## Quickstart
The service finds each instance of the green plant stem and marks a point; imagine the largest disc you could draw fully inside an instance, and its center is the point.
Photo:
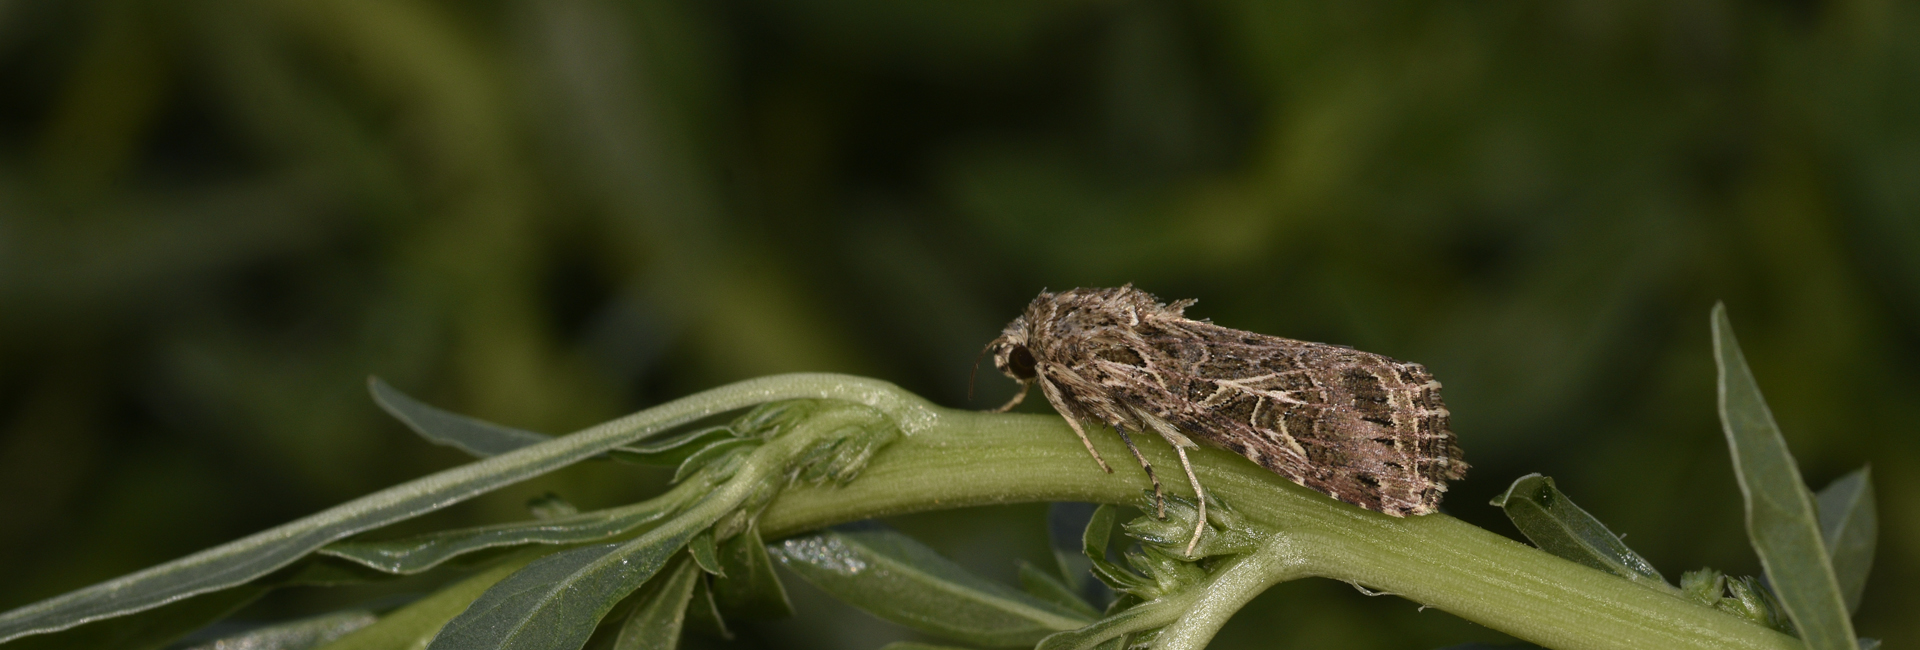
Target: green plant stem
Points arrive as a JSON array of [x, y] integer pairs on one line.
[[966, 458], [1230, 587]]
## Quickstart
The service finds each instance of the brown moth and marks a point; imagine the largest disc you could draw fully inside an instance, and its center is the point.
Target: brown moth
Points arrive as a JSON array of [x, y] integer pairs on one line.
[[1357, 426]]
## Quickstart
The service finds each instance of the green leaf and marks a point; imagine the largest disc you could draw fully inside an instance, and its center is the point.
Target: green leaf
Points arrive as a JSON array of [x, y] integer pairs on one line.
[[705, 553], [555, 603], [842, 454], [1046, 587], [750, 588], [896, 578], [1551, 520], [482, 438], [296, 635], [474, 436], [1781, 520], [412, 626], [1094, 543], [422, 552], [716, 454], [909, 645], [675, 450], [656, 624], [321, 571], [1849, 527]]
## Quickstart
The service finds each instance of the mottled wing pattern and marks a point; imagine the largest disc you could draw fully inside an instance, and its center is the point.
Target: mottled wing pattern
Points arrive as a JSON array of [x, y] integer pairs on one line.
[[1357, 426]]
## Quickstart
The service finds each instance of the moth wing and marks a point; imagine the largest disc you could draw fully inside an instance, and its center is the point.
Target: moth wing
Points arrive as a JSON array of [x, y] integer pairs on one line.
[[1357, 426]]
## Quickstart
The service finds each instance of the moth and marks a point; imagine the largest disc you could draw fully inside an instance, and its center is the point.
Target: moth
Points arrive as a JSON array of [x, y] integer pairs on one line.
[[1359, 427]]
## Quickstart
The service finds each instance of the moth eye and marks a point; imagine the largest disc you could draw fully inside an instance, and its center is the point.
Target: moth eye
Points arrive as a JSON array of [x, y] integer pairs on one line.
[[1020, 363]]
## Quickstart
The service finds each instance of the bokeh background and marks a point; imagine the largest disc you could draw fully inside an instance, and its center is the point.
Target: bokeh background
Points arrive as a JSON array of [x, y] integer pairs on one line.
[[217, 217]]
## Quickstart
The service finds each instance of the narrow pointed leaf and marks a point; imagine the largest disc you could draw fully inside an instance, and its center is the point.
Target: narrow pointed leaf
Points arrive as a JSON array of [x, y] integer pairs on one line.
[[422, 552], [673, 451], [713, 454], [555, 603], [1849, 527], [1781, 520], [705, 552], [1094, 544], [657, 623], [750, 588], [896, 578], [1551, 520], [474, 436], [322, 571]]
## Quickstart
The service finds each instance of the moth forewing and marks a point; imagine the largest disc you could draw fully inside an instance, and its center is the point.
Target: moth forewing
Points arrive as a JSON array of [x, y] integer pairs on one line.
[[1360, 427]]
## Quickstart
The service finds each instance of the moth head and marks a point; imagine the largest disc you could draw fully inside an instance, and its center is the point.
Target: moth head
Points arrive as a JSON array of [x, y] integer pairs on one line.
[[1011, 354]]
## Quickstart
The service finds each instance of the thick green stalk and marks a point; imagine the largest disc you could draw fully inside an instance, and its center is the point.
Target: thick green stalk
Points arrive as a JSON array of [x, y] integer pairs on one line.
[[965, 458]]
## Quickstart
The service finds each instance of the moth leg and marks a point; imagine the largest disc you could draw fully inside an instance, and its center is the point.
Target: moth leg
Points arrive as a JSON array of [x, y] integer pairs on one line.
[[1059, 404], [1075, 423], [1199, 494], [1159, 496], [1180, 443], [1017, 398]]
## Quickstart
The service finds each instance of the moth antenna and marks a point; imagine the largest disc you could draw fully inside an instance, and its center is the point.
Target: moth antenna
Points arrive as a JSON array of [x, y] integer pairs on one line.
[[1159, 496], [975, 372], [1199, 494]]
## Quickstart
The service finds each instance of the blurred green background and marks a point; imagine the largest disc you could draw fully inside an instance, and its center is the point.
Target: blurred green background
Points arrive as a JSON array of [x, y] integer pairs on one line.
[[218, 217]]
